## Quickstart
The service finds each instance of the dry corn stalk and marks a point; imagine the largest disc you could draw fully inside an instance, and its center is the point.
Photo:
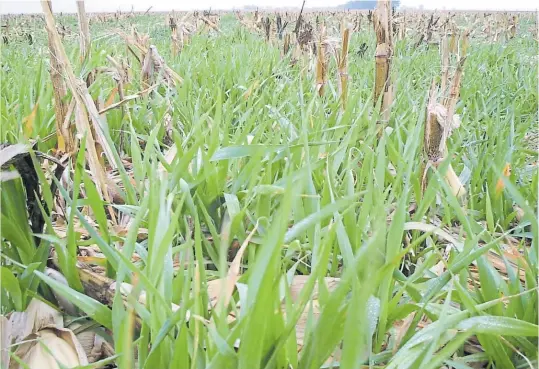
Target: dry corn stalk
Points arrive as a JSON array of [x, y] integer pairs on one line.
[[84, 108], [211, 24], [66, 142], [401, 34], [299, 20], [120, 73], [445, 49], [173, 35], [266, 23], [342, 65], [244, 22], [384, 45], [430, 28], [321, 66], [464, 43], [135, 41], [440, 122], [513, 26], [186, 29], [305, 37], [153, 65], [280, 26], [453, 41], [155, 60], [286, 44], [148, 71], [496, 30], [84, 32], [451, 101]]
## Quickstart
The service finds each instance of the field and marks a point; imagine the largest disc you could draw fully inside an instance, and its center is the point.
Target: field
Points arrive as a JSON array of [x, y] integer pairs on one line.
[[269, 190]]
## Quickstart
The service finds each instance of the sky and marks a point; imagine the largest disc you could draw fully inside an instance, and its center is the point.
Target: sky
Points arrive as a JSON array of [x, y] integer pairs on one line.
[[34, 6]]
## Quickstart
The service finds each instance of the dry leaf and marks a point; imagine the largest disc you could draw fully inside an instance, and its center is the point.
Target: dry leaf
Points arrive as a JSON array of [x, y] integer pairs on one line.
[[169, 157], [250, 90], [506, 173], [110, 99], [28, 122], [298, 282], [519, 213]]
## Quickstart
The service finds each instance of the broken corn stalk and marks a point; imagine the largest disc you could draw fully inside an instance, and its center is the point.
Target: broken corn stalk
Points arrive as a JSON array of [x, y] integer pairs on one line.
[[442, 120], [87, 119], [382, 83], [65, 140], [84, 30]]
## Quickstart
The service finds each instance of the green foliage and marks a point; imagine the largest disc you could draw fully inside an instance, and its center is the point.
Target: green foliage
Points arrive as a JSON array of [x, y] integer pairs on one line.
[[315, 182]]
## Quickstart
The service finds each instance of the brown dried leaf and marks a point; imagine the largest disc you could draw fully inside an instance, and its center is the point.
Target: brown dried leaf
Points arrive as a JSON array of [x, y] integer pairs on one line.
[[402, 328], [298, 282]]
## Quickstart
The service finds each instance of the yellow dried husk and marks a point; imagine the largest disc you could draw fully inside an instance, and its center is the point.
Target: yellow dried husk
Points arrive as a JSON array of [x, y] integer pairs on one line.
[[40, 339], [49, 347]]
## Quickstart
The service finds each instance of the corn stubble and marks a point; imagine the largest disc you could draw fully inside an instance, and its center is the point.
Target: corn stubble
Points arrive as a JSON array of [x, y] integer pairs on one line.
[[441, 119], [321, 64], [383, 88], [84, 31]]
